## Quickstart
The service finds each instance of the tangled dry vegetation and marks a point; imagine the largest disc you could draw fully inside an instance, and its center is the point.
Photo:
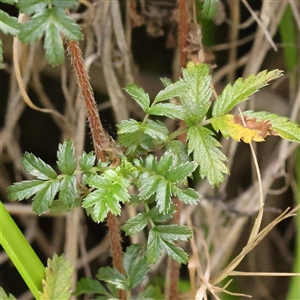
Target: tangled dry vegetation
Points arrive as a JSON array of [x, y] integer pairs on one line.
[[223, 220]]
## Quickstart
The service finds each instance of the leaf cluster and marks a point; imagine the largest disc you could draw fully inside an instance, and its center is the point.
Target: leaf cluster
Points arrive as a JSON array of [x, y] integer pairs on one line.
[[48, 19]]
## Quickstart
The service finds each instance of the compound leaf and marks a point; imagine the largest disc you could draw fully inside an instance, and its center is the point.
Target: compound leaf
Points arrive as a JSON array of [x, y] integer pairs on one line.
[[25, 189], [44, 197], [9, 24], [66, 157], [206, 153], [58, 279], [156, 130], [37, 167], [279, 125], [196, 101], [188, 196], [114, 277], [154, 247], [180, 172], [139, 95], [241, 90], [177, 253]]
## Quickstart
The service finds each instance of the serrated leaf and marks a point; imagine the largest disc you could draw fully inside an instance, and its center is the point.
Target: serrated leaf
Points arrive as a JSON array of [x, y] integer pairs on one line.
[[32, 6], [25, 189], [180, 172], [241, 90], [154, 247], [165, 81], [156, 129], [128, 126], [177, 253], [44, 197], [164, 163], [138, 272], [136, 224], [158, 217], [4, 296], [209, 8], [174, 232], [113, 276], [139, 95], [87, 161], [163, 196], [35, 28], [168, 110], [179, 150], [206, 153], [9, 24], [66, 157], [53, 45], [51, 21], [57, 207], [188, 196], [135, 265], [148, 185], [111, 189], [172, 90], [68, 190], [58, 279], [37, 167], [196, 101], [90, 286], [281, 126]]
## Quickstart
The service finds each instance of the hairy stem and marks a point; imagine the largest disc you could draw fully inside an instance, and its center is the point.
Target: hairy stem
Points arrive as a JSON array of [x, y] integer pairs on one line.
[[103, 144]]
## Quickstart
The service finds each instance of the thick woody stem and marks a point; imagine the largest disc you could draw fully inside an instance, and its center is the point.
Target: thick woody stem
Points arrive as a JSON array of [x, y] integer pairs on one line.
[[102, 143]]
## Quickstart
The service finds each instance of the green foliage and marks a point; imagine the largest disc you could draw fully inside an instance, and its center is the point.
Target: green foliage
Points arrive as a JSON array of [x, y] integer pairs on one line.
[[240, 91], [48, 19], [4, 296], [58, 279], [135, 266], [209, 8]]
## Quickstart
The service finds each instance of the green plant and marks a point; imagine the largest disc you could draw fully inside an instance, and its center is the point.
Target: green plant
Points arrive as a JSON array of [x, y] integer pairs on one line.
[[103, 180]]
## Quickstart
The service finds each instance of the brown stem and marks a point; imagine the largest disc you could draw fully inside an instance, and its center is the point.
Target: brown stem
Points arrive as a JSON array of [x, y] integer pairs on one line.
[[102, 143], [182, 31]]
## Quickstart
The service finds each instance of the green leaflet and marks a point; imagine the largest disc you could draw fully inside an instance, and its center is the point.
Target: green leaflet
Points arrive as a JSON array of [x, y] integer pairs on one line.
[[58, 279], [172, 90], [37, 167], [87, 161], [168, 110], [282, 125], [135, 266], [4, 296], [66, 157], [160, 237], [160, 178], [136, 224], [90, 286], [241, 90], [68, 190], [206, 153], [209, 8], [111, 188], [196, 101], [139, 96], [8, 24], [52, 22]]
